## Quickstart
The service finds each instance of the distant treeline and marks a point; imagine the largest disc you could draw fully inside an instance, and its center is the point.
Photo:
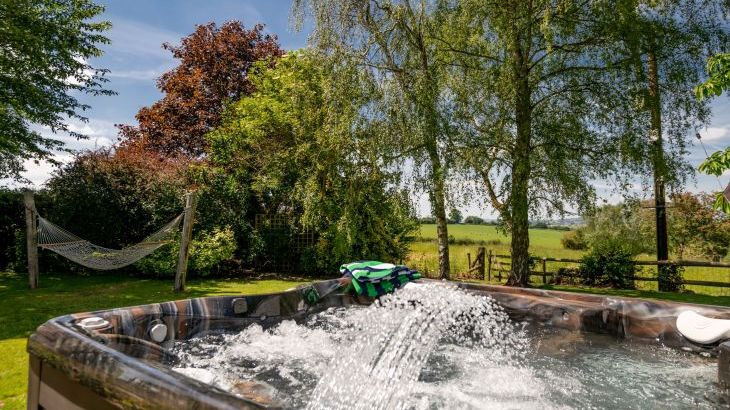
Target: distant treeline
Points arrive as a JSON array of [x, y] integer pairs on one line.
[[475, 220]]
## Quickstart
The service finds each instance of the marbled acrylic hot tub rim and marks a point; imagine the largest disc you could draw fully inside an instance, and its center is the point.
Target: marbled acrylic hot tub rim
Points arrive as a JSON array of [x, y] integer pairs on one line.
[[121, 365]]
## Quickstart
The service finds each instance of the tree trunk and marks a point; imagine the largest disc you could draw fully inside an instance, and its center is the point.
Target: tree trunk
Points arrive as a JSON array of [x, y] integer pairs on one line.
[[519, 201], [438, 203], [662, 239]]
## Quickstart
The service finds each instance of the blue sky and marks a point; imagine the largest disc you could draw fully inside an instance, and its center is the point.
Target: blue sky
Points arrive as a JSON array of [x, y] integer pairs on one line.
[[135, 58]]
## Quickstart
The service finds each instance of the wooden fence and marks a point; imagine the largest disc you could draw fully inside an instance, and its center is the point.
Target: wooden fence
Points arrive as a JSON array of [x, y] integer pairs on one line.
[[489, 266]]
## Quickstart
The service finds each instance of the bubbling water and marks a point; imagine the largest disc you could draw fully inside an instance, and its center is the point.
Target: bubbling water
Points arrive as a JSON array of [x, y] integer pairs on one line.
[[431, 346], [362, 358]]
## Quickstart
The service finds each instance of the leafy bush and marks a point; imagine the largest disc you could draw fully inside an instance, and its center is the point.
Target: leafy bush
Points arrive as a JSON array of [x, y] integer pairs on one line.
[[574, 240], [473, 220], [207, 252], [11, 223], [211, 249], [670, 278], [609, 263], [566, 276]]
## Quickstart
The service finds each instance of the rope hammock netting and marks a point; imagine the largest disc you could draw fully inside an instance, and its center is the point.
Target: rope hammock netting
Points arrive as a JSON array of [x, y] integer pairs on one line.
[[83, 252]]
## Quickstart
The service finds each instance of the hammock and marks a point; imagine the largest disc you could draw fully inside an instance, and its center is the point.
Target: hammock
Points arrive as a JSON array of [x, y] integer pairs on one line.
[[83, 252]]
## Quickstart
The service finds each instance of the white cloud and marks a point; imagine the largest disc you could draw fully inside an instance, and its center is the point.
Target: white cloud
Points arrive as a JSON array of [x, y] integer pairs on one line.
[[83, 75], [38, 173], [714, 133], [101, 134], [139, 39], [142, 75]]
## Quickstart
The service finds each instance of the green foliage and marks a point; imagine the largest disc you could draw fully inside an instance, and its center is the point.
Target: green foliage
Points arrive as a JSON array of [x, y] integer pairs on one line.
[[718, 70], [208, 251], [717, 163], [394, 45], [670, 278], [696, 228], [575, 240], [114, 201], [45, 47], [226, 200], [11, 222], [721, 203], [627, 223], [299, 142], [472, 220], [609, 263], [455, 216]]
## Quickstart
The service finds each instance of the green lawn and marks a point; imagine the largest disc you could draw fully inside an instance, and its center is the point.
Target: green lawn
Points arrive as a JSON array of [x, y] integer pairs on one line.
[[22, 310], [543, 243]]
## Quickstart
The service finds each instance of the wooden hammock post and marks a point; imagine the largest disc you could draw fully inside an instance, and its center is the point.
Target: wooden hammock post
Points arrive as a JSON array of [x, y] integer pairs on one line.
[[31, 238], [187, 233]]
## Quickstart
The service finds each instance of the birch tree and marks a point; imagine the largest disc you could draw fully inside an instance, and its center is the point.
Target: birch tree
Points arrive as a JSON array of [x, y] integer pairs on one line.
[[392, 41]]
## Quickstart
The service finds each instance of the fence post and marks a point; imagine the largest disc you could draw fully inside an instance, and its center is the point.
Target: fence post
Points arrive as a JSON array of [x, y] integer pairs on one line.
[[187, 233], [31, 238], [480, 260], [468, 261], [499, 269], [489, 266], [544, 270]]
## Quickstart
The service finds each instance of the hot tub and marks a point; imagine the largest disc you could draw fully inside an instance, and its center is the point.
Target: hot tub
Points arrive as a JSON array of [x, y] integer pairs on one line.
[[127, 358]]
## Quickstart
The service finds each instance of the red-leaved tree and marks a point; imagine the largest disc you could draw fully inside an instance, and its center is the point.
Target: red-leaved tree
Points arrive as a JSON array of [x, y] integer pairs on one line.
[[213, 69]]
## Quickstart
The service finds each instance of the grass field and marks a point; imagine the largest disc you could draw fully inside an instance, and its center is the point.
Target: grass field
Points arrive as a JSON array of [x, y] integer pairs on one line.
[[22, 310], [543, 243]]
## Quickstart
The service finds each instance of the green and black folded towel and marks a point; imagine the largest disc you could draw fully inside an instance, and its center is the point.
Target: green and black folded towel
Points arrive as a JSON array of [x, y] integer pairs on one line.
[[373, 278]]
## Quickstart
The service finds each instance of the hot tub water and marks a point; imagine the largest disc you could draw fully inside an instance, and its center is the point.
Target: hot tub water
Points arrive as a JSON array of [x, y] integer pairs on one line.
[[437, 346]]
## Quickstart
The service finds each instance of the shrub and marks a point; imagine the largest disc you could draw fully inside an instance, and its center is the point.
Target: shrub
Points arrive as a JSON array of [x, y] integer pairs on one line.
[[210, 249], [207, 252], [610, 263], [473, 220], [566, 276], [670, 278], [574, 240]]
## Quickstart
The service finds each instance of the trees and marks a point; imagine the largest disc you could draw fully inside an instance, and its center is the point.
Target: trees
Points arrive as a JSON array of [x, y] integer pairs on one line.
[[214, 66], [473, 220], [301, 142], [695, 228], [626, 223], [664, 44], [525, 77], [44, 47], [393, 42], [455, 216]]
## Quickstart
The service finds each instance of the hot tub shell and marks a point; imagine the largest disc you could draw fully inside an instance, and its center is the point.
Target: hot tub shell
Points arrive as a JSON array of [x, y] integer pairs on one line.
[[121, 366]]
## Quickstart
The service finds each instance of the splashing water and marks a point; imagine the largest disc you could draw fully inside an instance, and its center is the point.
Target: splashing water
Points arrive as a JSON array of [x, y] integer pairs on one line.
[[393, 339], [436, 346]]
